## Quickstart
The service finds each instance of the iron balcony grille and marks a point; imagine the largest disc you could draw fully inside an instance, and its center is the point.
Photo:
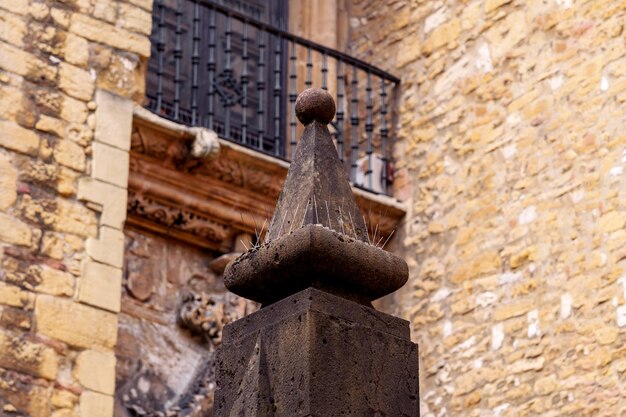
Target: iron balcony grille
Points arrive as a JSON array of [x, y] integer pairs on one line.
[[216, 67]]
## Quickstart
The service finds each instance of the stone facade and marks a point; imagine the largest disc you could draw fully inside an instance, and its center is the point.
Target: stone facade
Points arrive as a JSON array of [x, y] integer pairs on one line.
[[68, 74], [511, 157]]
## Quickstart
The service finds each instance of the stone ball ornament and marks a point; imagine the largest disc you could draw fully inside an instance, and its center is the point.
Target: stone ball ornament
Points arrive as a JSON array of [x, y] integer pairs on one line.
[[315, 104]]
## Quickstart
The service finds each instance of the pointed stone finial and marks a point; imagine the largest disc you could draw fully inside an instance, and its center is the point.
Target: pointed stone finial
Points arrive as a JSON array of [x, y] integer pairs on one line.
[[317, 236], [317, 189]]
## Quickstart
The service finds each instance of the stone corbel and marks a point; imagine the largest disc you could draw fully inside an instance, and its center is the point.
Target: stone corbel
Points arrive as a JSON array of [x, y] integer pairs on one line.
[[204, 143]]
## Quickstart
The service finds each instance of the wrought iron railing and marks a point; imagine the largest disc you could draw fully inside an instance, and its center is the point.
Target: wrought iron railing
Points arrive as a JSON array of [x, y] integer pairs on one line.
[[216, 67]]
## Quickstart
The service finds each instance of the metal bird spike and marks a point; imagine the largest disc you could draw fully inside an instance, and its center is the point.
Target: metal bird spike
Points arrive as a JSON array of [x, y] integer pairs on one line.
[[316, 174]]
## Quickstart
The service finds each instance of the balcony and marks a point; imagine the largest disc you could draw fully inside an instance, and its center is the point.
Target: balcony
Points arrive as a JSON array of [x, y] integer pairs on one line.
[[234, 69]]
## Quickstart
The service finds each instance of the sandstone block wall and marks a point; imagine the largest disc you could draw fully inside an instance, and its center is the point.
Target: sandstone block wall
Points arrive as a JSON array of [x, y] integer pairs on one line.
[[512, 148], [69, 71]]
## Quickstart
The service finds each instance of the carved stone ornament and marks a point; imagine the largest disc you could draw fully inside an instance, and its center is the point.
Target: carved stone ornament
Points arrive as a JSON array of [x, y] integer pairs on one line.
[[206, 314], [177, 218]]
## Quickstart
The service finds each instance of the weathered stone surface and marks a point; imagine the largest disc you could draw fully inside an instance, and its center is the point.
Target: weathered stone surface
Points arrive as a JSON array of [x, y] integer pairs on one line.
[[14, 231], [55, 282], [23, 355], [18, 7], [14, 28], [135, 19], [63, 399], [76, 82], [51, 125], [52, 245], [108, 248], [73, 110], [15, 296], [100, 286], [94, 404], [20, 62], [315, 256], [8, 183], [96, 30], [64, 412], [442, 35], [491, 5], [106, 10], [48, 74], [144, 4], [510, 147], [75, 324], [10, 102], [70, 154], [612, 221], [15, 318], [95, 371], [17, 138], [262, 370], [60, 16], [112, 199], [60, 215], [110, 165], [123, 75], [316, 190], [512, 310], [114, 117], [76, 50]]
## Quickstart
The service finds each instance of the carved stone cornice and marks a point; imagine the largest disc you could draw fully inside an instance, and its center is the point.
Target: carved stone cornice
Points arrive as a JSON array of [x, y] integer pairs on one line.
[[209, 203]]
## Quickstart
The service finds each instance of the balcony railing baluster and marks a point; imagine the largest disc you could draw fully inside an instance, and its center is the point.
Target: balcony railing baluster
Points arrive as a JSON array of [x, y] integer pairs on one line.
[[160, 55], [195, 61], [211, 67], [354, 121], [309, 68], [244, 86], [249, 90], [228, 72], [260, 85], [383, 134], [369, 128], [324, 72], [293, 95], [340, 110], [178, 57], [277, 97]]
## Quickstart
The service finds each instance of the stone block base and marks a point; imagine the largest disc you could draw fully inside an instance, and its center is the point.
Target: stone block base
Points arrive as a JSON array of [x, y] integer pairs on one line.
[[314, 354]]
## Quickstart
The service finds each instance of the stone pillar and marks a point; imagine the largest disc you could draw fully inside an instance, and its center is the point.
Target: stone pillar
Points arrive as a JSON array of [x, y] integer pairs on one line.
[[317, 347]]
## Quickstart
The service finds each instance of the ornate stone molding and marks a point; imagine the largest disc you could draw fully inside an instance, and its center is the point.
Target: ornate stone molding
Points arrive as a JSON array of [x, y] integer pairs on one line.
[[175, 220], [210, 201]]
